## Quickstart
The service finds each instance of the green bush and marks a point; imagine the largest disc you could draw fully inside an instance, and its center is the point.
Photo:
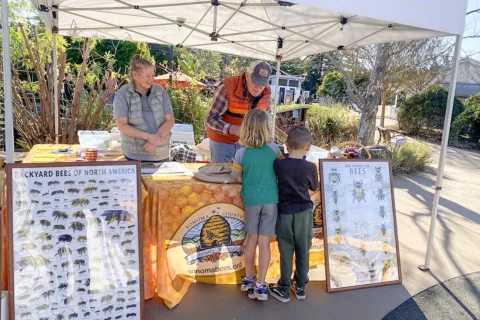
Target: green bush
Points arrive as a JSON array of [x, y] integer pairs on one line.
[[190, 106], [424, 112], [332, 126], [411, 157], [468, 122], [332, 86]]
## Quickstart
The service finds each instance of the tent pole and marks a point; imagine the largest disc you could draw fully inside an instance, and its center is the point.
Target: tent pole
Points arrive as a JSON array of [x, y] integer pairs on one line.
[[277, 78], [443, 152], [55, 87], [7, 89]]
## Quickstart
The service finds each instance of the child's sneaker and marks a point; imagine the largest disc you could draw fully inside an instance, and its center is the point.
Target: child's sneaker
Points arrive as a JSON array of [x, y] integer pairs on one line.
[[300, 293], [259, 293], [248, 283], [279, 293]]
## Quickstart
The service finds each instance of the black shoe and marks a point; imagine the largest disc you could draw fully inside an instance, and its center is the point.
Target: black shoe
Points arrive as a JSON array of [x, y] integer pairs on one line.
[[279, 293], [300, 293]]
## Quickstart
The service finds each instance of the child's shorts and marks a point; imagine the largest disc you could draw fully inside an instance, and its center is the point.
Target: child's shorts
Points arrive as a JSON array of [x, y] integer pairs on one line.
[[261, 219]]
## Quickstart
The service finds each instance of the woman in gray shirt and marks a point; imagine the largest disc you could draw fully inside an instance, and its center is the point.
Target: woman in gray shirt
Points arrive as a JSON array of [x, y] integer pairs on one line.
[[143, 114]]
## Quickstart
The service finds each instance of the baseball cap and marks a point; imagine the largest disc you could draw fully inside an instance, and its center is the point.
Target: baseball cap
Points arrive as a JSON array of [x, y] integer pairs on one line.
[[259, 72]]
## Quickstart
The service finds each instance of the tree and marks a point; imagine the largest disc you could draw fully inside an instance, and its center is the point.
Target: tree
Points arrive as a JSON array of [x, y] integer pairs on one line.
[[333, 85], [368, 100], [315, 67]]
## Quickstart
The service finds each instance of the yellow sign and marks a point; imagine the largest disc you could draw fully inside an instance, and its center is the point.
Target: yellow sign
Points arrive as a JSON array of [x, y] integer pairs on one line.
[[209, 242]]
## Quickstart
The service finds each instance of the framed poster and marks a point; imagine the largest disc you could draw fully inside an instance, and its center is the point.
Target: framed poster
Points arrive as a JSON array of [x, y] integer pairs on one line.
[[75, 249], [360, 231]]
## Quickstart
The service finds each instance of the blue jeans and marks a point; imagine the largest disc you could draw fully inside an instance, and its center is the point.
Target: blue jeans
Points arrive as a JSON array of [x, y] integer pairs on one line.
[[223, 152]]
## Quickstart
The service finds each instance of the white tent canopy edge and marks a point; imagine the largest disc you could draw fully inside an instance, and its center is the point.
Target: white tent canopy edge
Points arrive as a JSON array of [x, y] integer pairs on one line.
[[261, 29]]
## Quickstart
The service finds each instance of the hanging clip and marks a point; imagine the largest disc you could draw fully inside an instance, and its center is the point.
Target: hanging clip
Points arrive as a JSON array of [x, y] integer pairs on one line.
[[214, 36]]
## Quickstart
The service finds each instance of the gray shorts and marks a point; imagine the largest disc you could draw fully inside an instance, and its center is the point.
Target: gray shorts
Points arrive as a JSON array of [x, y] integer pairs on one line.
[[261, 219]]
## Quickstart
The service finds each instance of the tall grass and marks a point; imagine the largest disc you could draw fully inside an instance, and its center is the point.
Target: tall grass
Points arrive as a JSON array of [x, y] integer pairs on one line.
[[190, 106], [332, 126], [411, 157]]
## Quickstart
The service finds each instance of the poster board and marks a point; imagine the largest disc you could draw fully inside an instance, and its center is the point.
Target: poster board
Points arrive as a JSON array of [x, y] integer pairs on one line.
[[361, 242], [75, 242]]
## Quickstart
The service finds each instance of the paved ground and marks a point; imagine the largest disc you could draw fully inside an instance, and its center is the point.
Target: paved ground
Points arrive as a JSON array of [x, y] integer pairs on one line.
[[457, 298], [456, 252]]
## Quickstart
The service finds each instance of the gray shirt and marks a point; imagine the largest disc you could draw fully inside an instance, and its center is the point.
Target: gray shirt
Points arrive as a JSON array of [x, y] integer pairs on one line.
[[120, 109]]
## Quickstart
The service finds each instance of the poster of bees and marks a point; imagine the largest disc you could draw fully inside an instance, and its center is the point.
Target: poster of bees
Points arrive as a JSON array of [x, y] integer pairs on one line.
[[360, 234], [75, 246]]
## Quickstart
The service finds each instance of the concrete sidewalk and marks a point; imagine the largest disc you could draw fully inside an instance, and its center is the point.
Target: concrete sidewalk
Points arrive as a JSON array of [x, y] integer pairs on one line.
[[456, 252]]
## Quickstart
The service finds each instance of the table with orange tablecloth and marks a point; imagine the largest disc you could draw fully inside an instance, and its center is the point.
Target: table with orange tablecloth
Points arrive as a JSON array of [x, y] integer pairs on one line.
[[192, 231]]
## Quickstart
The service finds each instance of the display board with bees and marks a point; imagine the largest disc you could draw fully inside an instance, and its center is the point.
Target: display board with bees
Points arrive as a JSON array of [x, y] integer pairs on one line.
[[75, 246], [360, 234]]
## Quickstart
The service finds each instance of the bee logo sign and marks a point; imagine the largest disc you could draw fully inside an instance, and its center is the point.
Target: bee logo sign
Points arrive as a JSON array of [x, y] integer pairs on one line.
[[210, 242]]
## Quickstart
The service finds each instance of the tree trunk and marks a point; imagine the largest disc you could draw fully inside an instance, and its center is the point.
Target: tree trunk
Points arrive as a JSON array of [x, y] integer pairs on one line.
[[384, 102], [366, 132]]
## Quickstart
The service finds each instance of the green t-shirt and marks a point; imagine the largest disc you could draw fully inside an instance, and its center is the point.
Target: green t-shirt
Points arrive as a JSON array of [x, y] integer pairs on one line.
[[255, 166]]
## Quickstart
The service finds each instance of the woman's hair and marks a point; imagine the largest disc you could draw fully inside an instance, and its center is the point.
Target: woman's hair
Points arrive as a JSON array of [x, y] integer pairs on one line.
[[138, 64], [255, 130]]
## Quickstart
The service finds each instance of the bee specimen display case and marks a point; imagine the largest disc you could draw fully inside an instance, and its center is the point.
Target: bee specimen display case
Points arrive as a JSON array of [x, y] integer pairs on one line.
[[75, 241], [360, 231]]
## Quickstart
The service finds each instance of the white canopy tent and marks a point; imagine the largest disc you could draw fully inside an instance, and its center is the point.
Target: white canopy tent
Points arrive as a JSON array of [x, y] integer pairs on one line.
[[262, 29]]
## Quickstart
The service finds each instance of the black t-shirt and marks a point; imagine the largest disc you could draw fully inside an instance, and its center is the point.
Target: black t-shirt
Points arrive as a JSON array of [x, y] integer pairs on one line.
[[295, 178]]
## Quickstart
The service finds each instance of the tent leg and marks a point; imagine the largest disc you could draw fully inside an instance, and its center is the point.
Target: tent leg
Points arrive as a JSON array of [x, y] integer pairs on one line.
[[55, 87], [443, 152], [277, 78], [7, 89]]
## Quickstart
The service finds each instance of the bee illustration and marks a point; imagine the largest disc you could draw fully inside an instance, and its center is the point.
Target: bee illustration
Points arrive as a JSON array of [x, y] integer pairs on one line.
[[103, 191], [119, 309], [45, 236], [112, 181], [34, 192], [53, 183], [129, 234], [57, 192], [334, 176], [129, 252], [90, 189], [382, 212], [378, 174], [65, 238], [45, 223], [78, 215], [79, 263], [383, 230], [43, 307], [131, 315], [131, 292], [21, 192], [82, 250], [77, 226], [380, 194], [116, 237], [131, 306], [82, 239], [25, 315], [65, 264], [81, 183], [337, 215], [34, 202], [106, 298], [107, 309], [57, 215], [27, 223], [335, 195], [103, 204], [372, 271], [24, 234], [69, 183], [63, 252], [48, 294], [385, 248], [126, 243], [94, 221], [120, 300], [47, 247], [80, 202], [29, 246], [386, 266], [358, 191], [131, 282], [46, 203], [92, 181], [68, 300], [81, 304], [21, 203], [73, 191], [62, 286], [25, 297], [59, 227]]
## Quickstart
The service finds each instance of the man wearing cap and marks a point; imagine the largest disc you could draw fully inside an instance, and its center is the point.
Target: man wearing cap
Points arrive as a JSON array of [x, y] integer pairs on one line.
[[234, 97]]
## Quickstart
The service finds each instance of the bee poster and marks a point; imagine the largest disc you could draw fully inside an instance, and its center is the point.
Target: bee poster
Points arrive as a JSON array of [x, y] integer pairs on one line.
[[75, 242], [360, 233]]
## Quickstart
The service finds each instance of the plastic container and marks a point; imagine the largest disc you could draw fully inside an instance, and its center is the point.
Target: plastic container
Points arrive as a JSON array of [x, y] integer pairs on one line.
[[316, 153], [115, 140], [94, 139]]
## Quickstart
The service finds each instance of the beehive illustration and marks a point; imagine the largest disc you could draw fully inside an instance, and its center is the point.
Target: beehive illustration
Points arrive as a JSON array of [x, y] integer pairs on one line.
[[215, 232], [317, 221]]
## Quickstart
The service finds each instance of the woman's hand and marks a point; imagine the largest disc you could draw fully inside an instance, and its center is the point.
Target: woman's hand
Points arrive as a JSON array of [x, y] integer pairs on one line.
[[155, 139], [148, 147]]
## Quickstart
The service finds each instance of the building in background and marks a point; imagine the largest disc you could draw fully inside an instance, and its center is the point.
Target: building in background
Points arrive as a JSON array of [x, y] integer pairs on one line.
[[290, 88], [468, 82]]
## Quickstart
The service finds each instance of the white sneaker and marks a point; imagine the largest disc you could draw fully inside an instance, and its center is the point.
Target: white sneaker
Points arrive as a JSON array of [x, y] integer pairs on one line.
[[259, 293]]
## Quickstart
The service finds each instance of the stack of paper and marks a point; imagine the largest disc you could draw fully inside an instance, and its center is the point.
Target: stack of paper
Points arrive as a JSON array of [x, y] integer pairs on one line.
[[165, 168]]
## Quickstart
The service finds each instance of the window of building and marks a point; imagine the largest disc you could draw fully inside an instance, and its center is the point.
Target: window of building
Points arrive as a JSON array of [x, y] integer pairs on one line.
[[294, 83]]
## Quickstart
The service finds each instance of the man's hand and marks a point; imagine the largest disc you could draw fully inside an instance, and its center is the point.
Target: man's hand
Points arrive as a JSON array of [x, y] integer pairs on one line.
[[155, 139], [148, 147], [235, 130]]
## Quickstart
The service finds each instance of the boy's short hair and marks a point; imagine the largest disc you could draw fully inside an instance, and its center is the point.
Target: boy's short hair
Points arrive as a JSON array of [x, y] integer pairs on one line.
[[299, 138]]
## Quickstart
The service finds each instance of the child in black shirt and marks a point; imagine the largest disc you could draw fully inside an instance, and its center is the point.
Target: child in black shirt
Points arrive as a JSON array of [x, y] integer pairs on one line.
[[296, 177]]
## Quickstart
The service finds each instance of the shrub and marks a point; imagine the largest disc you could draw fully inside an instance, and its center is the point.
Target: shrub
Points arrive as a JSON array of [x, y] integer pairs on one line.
[[332, 86], [190, 106], [468, 122], [424, 112], [411, 157], [331, 126]]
